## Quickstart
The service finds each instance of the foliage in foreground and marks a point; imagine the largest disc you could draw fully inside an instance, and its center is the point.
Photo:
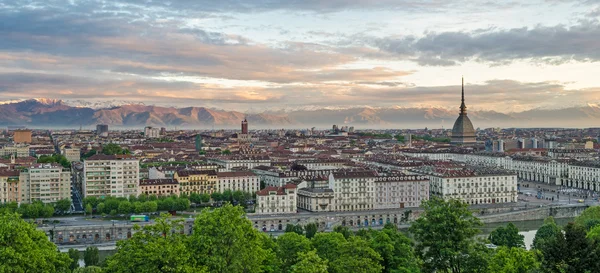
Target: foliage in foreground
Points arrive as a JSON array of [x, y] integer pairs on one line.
[[23, 248], [223, 240]]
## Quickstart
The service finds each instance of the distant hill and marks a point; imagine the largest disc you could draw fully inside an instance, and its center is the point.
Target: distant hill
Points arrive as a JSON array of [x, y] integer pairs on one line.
[[56, 113]]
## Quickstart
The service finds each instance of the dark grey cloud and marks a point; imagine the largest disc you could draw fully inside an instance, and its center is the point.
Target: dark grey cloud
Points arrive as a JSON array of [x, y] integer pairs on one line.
[[552, 45]]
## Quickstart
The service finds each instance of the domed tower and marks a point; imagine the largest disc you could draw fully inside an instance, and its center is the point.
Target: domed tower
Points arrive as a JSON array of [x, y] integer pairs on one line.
[[463, 132]]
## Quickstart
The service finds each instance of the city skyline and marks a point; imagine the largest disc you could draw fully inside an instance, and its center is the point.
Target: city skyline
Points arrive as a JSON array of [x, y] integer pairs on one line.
[[265, 55]]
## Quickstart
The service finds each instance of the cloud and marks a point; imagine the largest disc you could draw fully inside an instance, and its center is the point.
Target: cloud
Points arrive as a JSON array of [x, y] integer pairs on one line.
[[550, 45]]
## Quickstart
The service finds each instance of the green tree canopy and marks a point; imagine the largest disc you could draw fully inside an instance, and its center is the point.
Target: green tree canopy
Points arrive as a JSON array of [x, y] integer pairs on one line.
[[23, 248], [74, 255], [89, 269], [309, 262], [290, 245], [155, 248], [507, 236], [225, 241], [589, 215], [91, 256], [311, 229], [298, 229], [357, 256], [112, 149], [513, 260], [445, 235], [570, 251], [396, 251], [63, 205], [345, 231], [328, 245], [545, 233]]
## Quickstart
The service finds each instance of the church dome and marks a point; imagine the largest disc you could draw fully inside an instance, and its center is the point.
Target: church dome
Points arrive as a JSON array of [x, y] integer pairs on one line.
[[463, 131]]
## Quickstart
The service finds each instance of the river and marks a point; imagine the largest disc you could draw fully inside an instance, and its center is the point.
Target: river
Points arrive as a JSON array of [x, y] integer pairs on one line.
[[526, 228]]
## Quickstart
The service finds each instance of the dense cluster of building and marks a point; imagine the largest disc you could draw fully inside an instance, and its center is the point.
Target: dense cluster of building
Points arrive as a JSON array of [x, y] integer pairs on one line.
[[336, 170]]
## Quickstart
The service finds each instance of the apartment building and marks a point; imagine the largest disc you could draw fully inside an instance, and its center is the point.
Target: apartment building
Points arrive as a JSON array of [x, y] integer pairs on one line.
[[248, 161], [72, 153], [10, 188], [196, 181], [111, 175], [473, 185], [19, 151], [400, 191], [159, 187], [316, 199], [47, 183], [584, 175], [276, 200], [245, 181], [353, 190]]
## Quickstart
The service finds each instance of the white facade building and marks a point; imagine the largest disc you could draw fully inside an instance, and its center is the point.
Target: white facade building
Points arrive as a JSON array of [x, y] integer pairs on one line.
[[245, 181], [353, 190], [400, 191], [19, 151], [47, 183], [72, 154], [472, 185], [276, 200], [111, 175], [246, 162], [151, 132]]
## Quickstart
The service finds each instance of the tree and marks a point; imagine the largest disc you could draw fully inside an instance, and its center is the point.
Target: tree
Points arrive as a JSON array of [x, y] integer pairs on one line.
[[298, 229], [181, 204], [445, 235], [89, 269], [92, 200], [309, 262], [91, 257], [589, 214], [345, 231], [150, 206], [23, 248], [89, 209], [513, 260], [227, 195], [63, 205], [74, 255], [507, 236], [545, 233], [225, 241], [154, 248], [205, 198], [112, 149], [125, 207], [570, 251], [100, 208], [396, 250], [289, 246], [226, 152], [594, 234], [356, 256], [138, 207], [298, 167], [311, 229], [216, 196], [328, 245], [195, 198]]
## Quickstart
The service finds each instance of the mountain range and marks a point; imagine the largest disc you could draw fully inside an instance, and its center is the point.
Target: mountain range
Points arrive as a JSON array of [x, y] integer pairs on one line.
[[51, 113]]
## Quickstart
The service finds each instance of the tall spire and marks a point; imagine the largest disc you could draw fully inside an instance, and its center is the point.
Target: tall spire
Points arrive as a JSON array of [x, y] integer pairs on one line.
[[463, 107]]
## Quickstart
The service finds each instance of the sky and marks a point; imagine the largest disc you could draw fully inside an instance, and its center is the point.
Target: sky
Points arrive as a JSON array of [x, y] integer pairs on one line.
[[259, 55]]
